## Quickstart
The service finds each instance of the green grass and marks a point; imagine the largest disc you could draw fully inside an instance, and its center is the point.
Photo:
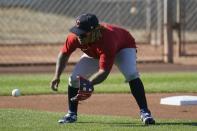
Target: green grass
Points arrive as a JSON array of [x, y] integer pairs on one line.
[[28, 120], [153, 82], [170, 82]]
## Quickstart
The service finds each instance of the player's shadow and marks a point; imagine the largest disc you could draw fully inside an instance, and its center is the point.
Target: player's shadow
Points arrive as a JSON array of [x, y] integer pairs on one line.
[[178, 123], [128, 124], [117, 124]]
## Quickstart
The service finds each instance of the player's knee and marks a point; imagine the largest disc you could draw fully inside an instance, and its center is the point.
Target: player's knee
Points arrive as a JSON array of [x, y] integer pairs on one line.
[[132, 76], [73, 81]]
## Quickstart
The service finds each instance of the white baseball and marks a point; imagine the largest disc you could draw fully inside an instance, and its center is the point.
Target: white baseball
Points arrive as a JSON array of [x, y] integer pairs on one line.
[[16, 92], [133, 10]]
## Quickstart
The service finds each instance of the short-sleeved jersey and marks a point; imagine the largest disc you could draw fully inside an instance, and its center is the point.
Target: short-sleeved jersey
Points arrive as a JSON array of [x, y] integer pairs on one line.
[[113, 39]]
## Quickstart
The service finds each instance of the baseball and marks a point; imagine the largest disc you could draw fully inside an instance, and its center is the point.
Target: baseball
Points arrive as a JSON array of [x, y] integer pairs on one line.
[[133, 10], [16, 92]]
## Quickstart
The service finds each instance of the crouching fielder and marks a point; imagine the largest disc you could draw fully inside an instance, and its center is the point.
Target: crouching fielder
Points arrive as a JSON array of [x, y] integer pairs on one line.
[[103, 45]]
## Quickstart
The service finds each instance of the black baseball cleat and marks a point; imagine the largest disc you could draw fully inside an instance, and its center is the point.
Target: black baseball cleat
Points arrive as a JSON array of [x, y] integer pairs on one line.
[[68, 118], [146, 117]]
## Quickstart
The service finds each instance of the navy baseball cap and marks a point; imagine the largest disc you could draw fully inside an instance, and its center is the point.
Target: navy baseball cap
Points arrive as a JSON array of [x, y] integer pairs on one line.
[[84, 24]]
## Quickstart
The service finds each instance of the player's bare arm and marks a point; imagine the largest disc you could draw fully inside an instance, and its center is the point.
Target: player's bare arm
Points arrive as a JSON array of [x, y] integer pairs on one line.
[[99, 76], [60, 66]]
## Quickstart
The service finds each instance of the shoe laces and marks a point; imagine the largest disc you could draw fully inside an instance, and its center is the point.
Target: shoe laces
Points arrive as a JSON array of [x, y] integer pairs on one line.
[[145, 113], [71, 115]]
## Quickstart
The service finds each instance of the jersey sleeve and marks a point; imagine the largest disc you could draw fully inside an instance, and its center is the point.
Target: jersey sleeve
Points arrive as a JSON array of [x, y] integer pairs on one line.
[[106, 62], [70, 44]]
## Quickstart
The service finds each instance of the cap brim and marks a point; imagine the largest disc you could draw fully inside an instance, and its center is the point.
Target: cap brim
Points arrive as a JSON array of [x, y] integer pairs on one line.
[[77, 31]]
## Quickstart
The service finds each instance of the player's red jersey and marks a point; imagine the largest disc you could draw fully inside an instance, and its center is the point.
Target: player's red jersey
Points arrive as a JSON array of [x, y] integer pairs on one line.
[[112, 41]]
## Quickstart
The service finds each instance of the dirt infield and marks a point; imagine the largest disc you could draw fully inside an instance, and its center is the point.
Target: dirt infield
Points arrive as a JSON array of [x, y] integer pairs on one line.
[[144, 67], [104, 104]]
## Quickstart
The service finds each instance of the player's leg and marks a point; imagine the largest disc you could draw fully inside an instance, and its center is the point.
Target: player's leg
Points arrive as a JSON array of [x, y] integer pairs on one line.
[[85, 68], [126, 62]]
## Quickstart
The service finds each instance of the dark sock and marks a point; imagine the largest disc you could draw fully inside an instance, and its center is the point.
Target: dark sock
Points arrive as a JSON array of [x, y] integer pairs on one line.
[[73, 105], [137, 89]]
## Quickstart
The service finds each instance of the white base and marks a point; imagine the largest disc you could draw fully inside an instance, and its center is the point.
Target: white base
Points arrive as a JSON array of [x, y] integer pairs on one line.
[[179, 100]]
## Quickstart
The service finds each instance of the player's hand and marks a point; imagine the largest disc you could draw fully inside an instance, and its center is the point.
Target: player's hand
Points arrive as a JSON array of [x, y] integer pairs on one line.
[[54, 84]]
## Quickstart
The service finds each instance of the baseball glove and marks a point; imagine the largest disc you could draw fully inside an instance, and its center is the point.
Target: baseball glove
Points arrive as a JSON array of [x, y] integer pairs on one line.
[[85, 90]]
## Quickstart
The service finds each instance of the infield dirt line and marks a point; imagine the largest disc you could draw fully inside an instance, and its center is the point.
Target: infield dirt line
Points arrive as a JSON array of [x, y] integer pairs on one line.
[[103, 104]]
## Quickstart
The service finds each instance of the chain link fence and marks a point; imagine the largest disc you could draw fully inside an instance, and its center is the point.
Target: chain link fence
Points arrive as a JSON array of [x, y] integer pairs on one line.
[[188, 27], [32, 31]]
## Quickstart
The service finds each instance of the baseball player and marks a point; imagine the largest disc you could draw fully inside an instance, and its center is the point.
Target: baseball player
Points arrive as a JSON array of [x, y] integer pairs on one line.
[[103, 45]]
